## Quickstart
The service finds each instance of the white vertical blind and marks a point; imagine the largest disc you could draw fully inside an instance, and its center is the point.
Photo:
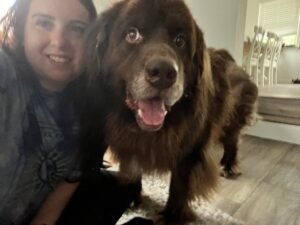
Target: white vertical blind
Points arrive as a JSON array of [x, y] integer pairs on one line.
[[280, 16]]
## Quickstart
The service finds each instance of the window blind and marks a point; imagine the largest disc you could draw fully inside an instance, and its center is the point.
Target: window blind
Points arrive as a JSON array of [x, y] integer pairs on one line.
[[280, 16]]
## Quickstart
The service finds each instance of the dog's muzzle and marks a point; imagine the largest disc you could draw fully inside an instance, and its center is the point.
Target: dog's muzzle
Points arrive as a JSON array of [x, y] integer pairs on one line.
[[161, 73], [156, 89]]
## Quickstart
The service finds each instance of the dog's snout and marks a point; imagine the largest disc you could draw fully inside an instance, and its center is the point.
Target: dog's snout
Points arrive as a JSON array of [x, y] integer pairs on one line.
[[160, 73]]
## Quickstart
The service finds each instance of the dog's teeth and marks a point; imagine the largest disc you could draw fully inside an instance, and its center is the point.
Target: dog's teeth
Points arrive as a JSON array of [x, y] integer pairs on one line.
[[140, 113], [165, 113]]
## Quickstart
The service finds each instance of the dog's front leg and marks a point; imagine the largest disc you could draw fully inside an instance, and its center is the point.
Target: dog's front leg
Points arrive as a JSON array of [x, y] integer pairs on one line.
[[177, 210], [196, 175], [130, 175]]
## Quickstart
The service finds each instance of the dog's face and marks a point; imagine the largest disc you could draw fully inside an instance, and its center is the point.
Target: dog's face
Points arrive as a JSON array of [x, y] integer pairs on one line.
[[151, 51]]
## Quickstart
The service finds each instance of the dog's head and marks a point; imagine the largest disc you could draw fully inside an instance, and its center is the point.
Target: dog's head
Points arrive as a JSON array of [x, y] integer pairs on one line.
[[152, 53]]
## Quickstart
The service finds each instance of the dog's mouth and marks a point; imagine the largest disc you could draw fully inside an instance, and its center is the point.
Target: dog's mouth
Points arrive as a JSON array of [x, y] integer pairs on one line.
[[150, 113]]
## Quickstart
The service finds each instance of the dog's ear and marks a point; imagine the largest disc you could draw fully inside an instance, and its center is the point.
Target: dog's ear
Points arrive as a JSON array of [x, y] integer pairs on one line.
[[201, 60], [97, 37]]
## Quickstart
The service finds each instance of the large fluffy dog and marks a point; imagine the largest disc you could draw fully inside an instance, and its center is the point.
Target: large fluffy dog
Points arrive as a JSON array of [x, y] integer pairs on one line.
[[159, 98]]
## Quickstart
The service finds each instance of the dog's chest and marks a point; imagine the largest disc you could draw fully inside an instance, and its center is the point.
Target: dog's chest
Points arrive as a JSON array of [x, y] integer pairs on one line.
[[159, 150], [145, 151]]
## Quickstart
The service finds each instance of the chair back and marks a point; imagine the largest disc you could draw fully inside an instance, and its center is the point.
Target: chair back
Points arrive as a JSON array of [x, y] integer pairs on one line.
[[255, 49]]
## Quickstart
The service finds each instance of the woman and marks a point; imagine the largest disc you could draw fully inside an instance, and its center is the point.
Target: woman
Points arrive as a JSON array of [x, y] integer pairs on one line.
[[42, 55]]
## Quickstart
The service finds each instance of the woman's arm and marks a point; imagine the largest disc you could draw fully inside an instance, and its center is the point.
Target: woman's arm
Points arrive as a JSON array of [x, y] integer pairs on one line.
[[54, 204]]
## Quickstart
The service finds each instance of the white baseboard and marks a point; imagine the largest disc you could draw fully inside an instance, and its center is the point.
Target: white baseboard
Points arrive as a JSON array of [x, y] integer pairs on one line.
[[276, 131]]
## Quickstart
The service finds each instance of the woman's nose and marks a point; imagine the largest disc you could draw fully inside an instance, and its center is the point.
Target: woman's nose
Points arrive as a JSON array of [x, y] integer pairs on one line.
[[59, 38]]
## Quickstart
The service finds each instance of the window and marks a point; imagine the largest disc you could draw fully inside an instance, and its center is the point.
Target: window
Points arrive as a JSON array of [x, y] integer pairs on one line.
[[5, 4], [282, 18]]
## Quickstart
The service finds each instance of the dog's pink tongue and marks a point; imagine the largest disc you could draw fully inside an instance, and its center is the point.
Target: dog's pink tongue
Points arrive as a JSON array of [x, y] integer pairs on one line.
[[152, 111]]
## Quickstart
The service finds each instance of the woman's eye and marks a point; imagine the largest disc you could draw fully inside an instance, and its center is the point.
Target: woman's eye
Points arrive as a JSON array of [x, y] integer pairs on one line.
[[133, 36], [180, 41], [44, 23], [78, 29]]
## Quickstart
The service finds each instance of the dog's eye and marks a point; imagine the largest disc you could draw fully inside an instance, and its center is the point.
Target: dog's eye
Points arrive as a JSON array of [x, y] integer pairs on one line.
[[180, 40], [133, 36]]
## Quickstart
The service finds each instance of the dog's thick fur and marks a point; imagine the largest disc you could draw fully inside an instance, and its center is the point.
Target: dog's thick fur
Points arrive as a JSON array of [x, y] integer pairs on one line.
[[206, 96]]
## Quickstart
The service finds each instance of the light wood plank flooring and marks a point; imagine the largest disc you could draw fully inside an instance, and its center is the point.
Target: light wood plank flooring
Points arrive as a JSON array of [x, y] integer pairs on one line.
[[268, 191]]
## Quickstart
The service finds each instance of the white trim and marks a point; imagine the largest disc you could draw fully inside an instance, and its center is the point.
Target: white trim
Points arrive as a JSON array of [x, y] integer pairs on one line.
[[276, 131], [298, 29]]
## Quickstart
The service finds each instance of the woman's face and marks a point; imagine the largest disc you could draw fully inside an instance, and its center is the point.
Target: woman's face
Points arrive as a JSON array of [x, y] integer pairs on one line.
[[53, 40]]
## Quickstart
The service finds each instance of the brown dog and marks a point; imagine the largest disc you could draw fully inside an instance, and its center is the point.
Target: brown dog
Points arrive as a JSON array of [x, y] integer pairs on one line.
[[159, 98]]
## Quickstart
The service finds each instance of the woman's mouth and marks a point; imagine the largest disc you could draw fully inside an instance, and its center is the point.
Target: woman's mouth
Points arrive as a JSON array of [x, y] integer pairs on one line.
[[59, 59]]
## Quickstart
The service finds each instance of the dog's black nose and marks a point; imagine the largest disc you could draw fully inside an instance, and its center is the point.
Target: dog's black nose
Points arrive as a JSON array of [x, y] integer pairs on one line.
[[160, 73]]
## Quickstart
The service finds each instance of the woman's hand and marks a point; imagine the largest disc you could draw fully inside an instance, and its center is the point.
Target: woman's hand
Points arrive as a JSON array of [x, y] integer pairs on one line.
[[54, 204]]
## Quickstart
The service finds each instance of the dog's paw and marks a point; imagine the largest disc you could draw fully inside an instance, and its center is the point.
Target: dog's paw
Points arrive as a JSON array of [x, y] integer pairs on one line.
[[231, 172], [184, 217]]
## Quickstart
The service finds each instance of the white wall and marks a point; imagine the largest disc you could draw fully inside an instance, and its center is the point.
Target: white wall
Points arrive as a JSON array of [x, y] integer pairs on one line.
[[223, 23], [251, 17], [288, 65], [102, 4]]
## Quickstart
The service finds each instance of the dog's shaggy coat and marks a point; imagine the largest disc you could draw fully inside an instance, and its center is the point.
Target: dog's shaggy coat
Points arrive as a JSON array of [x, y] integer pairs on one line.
[[159, 98]]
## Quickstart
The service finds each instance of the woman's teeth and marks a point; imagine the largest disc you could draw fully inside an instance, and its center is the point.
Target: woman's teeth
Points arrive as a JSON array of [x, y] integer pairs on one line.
[[58, 59]]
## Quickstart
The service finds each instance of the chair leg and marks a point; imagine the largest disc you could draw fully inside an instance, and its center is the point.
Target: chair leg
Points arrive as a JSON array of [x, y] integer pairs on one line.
[[276, 81], [255, 75], [262, 76], [269, 76]]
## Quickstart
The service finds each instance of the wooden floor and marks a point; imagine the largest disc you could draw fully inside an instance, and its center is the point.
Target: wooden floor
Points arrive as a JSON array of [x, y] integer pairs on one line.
[[268, 191]]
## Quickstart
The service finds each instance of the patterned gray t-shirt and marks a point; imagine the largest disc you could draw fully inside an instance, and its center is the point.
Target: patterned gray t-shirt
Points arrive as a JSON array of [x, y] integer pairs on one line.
[[38, 143]]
